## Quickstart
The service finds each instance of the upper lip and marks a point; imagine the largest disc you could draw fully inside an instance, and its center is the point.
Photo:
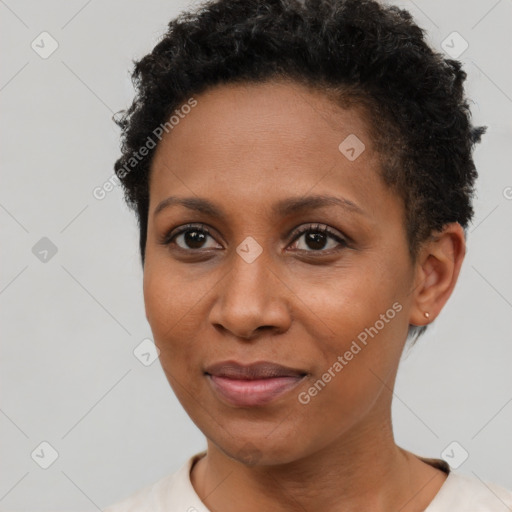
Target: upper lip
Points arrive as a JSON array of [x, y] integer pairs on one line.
[[257, 370]]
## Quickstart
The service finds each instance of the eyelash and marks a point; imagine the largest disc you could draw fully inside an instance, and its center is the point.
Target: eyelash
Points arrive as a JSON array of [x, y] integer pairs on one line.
[[324, 230], [169, 237]]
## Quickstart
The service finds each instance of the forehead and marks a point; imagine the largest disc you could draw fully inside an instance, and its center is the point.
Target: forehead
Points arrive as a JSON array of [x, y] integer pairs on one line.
[[280, 110], [257, 141]]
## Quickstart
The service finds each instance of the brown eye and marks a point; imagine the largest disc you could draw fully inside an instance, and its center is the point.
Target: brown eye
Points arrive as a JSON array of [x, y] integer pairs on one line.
[[318, 238], [190, 237], [194, 239]]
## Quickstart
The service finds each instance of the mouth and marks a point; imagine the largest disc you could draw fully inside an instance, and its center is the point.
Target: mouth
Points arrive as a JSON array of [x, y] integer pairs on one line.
[[254, 384]]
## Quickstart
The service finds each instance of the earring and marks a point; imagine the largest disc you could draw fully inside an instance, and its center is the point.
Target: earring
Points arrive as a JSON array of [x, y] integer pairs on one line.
[[427, 315]]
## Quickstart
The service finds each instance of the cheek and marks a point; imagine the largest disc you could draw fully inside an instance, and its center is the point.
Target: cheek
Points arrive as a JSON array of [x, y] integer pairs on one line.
[[338, 303], [171, 308], [357, 371], [359, 316]]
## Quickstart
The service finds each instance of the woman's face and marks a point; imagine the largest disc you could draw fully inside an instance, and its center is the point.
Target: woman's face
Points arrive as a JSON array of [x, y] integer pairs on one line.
[[255, 165]]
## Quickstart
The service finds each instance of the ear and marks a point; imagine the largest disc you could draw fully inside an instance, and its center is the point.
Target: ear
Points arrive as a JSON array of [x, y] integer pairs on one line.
[[436, 272]]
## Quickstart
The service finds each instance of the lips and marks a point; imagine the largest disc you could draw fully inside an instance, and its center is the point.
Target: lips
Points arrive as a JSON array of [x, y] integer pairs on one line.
[[254, 384]]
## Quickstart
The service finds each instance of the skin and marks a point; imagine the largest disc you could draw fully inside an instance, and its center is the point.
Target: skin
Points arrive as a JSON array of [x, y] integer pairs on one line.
[[244, 148]]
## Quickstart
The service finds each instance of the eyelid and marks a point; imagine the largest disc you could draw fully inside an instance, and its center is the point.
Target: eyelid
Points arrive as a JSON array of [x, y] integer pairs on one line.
[[314, 226]]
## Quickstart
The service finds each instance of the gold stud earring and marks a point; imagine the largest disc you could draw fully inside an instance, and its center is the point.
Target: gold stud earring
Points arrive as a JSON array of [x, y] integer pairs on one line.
[[427, 315]]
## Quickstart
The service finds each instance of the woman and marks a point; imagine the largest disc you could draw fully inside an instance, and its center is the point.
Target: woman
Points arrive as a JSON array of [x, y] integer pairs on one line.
[[302, 176]]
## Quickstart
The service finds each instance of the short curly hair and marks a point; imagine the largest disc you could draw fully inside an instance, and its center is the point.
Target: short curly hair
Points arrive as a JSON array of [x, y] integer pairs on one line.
[[358, 52]]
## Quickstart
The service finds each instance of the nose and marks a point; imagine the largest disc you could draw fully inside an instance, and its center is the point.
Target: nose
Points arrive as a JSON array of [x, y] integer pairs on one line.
[[251, 299]]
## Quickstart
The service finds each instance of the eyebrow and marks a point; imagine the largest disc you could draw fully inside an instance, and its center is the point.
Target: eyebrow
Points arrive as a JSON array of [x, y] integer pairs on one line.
[[284, 207]]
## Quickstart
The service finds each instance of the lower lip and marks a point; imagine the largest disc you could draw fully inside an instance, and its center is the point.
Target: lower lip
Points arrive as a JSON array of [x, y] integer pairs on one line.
[[248, 393]]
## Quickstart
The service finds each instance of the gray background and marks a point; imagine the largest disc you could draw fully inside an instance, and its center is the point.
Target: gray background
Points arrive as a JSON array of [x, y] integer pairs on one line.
[[70, 324]]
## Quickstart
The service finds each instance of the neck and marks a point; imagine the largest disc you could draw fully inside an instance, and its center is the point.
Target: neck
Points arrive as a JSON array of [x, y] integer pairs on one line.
[[364, 469]]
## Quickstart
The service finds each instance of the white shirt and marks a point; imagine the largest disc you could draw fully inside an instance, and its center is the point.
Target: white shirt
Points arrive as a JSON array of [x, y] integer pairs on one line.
[[459, 493]]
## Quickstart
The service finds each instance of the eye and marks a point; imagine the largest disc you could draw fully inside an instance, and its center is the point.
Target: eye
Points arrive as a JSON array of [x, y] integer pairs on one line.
[[190, 237], [316, 239]]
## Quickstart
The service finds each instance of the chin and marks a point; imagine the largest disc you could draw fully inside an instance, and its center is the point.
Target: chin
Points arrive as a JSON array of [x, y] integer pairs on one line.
[[261, 451]]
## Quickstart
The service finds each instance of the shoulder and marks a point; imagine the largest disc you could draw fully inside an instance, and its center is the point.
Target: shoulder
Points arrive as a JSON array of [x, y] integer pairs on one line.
[[172, 492], [145, 498], [467, 493]]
